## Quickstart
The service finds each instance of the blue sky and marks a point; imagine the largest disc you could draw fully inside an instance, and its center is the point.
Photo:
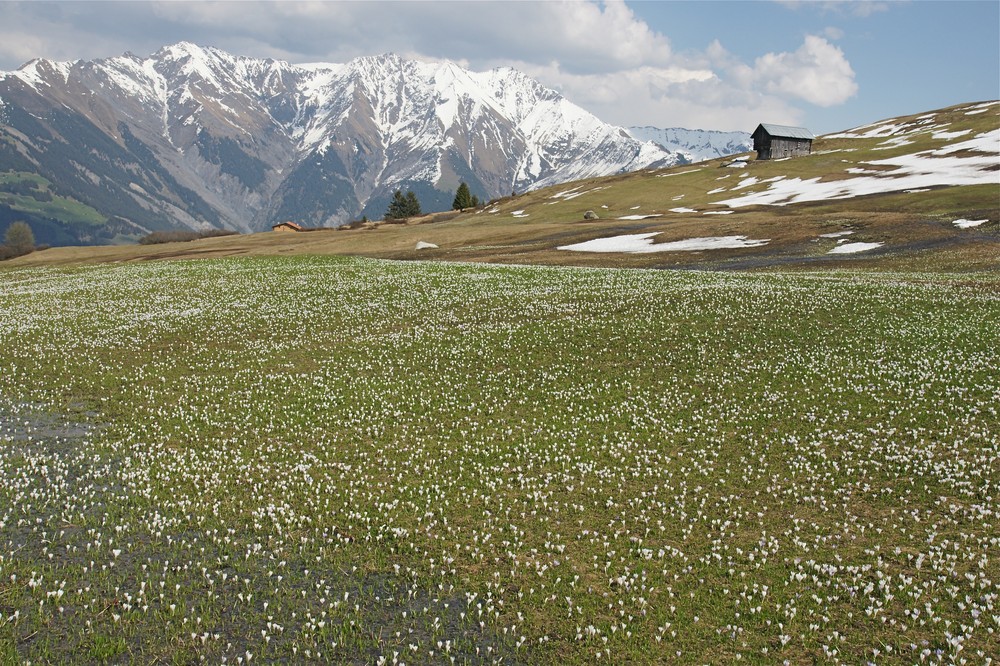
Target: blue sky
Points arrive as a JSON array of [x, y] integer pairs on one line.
[[723, 65], [906, 56]]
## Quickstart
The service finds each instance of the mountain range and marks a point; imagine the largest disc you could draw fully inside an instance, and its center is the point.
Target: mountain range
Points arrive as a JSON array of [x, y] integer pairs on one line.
[[194, 137], [694, 145]]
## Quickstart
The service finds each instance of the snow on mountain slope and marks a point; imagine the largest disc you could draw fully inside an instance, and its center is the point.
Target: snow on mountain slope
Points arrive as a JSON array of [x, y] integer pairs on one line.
[[215, 139], [695, 145]]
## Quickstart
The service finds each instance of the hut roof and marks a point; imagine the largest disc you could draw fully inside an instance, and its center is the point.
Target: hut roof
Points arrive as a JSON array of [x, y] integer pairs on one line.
[[786, 131]]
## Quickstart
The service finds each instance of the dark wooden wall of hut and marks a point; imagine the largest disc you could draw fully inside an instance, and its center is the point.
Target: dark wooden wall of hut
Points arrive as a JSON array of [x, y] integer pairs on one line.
[[772, 148]]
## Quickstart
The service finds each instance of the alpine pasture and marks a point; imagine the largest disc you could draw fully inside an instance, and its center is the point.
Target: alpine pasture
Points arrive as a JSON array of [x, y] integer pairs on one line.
[[350, 460]]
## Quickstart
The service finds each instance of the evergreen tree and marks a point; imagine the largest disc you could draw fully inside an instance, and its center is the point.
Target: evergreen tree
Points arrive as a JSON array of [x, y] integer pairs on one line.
[[397, 207], [403, 206], [20, 238], [463, 197], [412, 205]]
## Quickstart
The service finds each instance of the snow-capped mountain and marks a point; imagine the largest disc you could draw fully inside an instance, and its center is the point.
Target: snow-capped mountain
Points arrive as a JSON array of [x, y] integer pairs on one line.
[[695, 145], [197, 137]]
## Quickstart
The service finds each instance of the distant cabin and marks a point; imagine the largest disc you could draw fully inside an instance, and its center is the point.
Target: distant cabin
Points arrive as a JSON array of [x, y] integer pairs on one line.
[[286, 226], [776, 141]]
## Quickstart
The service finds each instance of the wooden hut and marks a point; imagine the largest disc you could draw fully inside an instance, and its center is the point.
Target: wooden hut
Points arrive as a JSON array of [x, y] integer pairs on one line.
[[776, 141], [286, 226]]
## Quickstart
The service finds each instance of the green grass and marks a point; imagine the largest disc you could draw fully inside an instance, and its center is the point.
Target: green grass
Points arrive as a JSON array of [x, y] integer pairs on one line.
[[103, 648], [59, 208], [349, 460], [16, 177]]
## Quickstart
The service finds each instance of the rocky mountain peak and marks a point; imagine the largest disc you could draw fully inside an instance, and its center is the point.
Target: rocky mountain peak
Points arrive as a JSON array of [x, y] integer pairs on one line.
[[198, 137]]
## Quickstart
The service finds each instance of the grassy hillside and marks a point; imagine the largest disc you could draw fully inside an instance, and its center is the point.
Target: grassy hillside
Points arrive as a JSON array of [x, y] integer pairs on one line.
[[898, 190], [332, 460], [29, 193]]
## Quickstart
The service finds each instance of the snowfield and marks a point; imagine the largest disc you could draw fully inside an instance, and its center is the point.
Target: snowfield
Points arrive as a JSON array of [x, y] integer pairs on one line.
[[643, 243], [968, 224], [854, 248]]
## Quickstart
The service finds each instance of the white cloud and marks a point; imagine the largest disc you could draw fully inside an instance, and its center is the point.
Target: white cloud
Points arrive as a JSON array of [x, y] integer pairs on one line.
[[714, 89], [668, 97], [832, 32], [599, 54], [860, 8], [583, 36], [20, 48], [817, 72]]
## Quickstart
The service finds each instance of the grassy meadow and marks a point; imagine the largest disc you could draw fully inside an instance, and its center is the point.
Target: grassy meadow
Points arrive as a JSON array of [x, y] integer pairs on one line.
[[352, 460]]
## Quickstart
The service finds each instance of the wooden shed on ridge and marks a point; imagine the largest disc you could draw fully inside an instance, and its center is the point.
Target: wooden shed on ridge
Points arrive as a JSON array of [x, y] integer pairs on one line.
[[776, 141], [287, 226]]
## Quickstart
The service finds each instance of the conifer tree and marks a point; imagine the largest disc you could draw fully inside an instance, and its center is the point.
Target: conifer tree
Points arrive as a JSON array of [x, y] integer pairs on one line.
[[397, 207], [412, 204], [403, 206], [463, 197]]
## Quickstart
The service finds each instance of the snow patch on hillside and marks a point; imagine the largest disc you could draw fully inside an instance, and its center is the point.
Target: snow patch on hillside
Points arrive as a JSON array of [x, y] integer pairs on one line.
[[928, 168], [969, 224], [854, 248], [643, 244]]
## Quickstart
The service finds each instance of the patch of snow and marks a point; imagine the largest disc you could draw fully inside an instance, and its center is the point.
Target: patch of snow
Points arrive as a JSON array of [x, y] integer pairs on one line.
[[519, 213], [677, 173], [917, 170], [716, 190], [423, 245], [836, 234], [987, 142], [639, 217], [852, 248], [968, 224], [875, 131], [574, 195], [643, 244], [718, 212], [980, 108], [893, 142], [683, 210], [746, 182], [941, 136]]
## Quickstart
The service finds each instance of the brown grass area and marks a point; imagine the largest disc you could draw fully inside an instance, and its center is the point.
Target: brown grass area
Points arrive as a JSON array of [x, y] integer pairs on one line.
[[795, 241]]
